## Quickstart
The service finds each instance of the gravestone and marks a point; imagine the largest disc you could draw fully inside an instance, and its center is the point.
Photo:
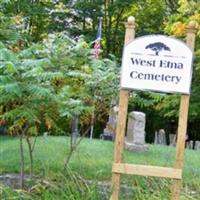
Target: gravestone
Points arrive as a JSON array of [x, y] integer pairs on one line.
[[160, 137], [107, 134], [197, 145], [172, 140], [112, 121], [109, 131], [135, 139], [190, 144], [3, 130]]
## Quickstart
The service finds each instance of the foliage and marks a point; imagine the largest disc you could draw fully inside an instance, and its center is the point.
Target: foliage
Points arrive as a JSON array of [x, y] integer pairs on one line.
[[24, 95], [42, 84], [71, 186], [33, 17], [176, 25], [187, 11], [57, 77], [8, 29], [166, 109], [83, 81]]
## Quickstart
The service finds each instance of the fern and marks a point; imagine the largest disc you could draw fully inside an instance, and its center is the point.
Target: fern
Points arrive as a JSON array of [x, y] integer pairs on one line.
[[49, 76], [10, 88], [22, 112], [39, 91], [6, 55], [56, 79], [31, 63]]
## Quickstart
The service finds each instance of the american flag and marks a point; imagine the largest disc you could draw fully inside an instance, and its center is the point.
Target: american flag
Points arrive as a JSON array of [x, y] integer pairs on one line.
[[97, 42]]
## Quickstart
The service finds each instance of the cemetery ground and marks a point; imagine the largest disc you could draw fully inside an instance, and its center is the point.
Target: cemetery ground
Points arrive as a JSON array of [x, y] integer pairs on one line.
[[89, 171]]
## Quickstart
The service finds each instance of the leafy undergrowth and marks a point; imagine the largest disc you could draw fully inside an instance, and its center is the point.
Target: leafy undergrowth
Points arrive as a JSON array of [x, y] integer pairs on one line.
[[92, 161]]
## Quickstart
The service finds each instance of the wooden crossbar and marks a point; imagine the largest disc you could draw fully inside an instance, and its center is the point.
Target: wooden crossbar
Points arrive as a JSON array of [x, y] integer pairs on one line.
[[143, 170]]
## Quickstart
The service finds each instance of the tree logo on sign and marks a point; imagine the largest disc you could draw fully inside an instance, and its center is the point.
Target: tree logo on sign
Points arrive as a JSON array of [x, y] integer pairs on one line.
[[157, 47]]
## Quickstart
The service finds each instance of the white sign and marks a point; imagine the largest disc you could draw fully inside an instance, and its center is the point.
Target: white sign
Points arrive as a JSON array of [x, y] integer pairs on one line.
[[157, 63]]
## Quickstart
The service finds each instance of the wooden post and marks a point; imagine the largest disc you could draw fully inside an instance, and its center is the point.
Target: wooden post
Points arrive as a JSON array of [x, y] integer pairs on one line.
[[183, 117], [122, 115]]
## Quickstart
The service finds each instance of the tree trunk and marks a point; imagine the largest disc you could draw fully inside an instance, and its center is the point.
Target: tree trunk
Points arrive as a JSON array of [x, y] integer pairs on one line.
[[21, 162], [92, 125], [75, 132], [84, 24], [30, 149], [73, 148], [116, 30], [108, 23]]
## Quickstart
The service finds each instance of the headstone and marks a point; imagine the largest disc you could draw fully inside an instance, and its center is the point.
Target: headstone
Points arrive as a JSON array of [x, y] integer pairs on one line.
[[135, 139], [197, 145], [107, 134], [109, 131], [112, 121], [172, 139], [3, 130], [190, 144], [160, 137], [45, 134]]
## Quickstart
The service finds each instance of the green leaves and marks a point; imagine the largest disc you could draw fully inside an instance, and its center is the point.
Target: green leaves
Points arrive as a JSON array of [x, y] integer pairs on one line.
[[48, 82], [24, 112], [11, 88], [9, 68], [40, 91], [6, 55], [50, 76]]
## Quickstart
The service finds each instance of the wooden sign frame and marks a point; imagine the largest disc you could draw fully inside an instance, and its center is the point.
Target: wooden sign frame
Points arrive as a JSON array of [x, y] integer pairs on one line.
[[118, 167]]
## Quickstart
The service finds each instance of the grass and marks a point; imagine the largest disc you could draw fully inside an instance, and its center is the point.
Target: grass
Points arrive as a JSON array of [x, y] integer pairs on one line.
[[93, 161], [90, 159]]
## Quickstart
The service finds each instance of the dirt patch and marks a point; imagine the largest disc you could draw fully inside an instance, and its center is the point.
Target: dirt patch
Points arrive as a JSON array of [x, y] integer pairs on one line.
[[13, 180]]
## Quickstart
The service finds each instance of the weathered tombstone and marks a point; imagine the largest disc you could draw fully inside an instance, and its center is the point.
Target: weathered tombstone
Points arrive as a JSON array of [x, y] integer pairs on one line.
[[135, 139], [107, 134], [3, 130], [160, 137], [112, 121], [45, 134], [172, 139], [109, 131], [190, 144], [197, 145]]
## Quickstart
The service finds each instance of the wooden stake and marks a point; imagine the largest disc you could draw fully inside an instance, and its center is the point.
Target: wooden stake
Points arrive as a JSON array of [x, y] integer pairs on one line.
[[121, 120], [183, 118]]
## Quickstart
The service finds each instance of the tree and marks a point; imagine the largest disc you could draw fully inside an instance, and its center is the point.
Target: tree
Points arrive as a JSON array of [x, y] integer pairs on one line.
[[25, 95], [176, 26], [157, 47], [173, 21], [32, 17], [86, 80]]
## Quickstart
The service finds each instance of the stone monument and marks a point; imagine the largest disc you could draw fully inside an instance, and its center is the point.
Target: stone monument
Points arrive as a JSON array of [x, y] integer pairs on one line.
[[135, 139], [109, 131], [189, 144], [197, 145], [160, 137], [172, 140]]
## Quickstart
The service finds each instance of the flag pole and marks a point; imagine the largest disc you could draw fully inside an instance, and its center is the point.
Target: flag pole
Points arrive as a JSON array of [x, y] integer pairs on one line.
[[97, 47]]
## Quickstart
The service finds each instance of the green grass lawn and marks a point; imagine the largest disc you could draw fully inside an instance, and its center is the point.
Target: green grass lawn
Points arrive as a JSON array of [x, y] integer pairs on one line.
[[93, 161]]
